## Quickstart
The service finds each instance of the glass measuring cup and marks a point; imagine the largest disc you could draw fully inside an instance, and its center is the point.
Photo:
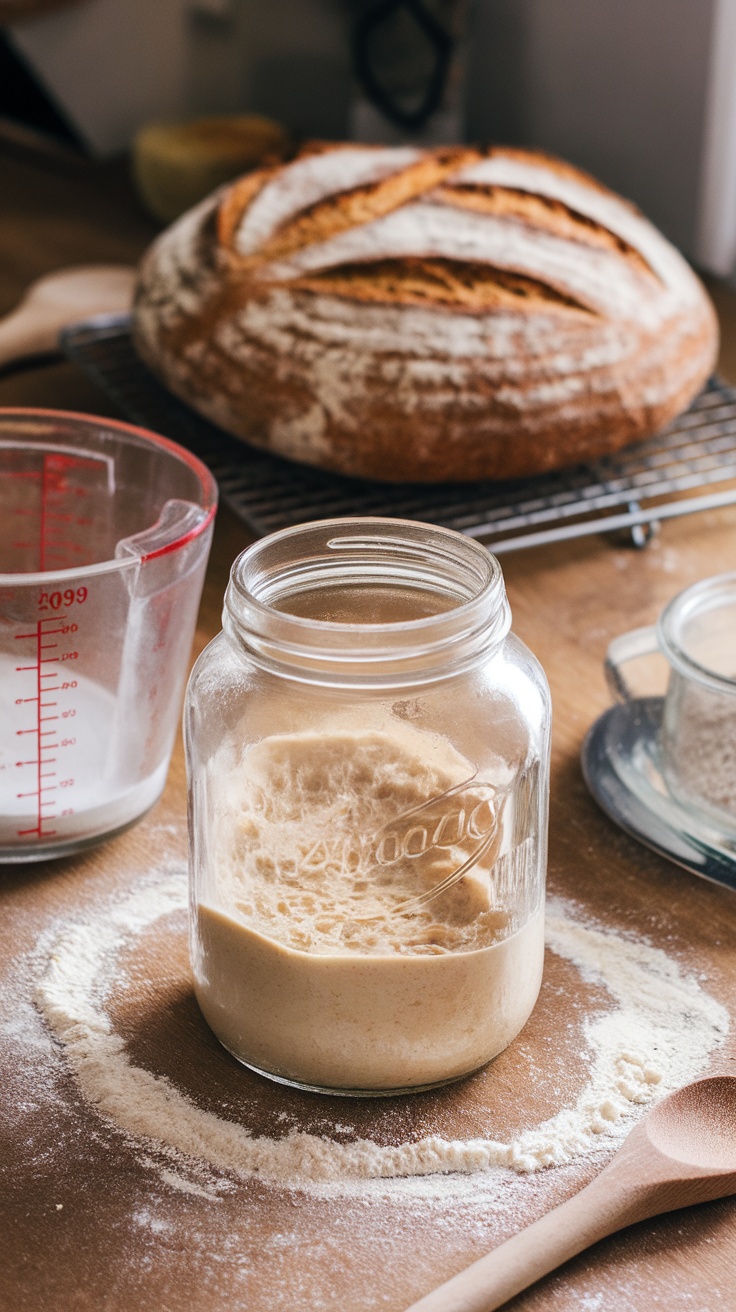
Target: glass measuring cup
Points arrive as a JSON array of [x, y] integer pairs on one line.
[[105, 531]]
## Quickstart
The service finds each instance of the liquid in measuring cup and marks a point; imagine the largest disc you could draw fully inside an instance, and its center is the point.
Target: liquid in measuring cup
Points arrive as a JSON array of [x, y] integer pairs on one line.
[[60, 771]]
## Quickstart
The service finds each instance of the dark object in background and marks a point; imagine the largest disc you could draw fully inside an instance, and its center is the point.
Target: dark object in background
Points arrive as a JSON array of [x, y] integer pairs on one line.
[[23, 99], [402, 56]]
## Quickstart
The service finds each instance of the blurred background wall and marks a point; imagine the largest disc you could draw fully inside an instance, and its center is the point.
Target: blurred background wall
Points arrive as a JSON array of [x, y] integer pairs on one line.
[[617, 87]]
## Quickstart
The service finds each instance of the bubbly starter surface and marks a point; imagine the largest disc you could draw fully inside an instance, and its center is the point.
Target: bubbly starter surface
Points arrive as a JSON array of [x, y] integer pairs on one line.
[[320, 957]]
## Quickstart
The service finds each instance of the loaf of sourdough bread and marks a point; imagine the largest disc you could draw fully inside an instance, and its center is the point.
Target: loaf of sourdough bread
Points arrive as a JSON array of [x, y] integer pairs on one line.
[[428, 315]]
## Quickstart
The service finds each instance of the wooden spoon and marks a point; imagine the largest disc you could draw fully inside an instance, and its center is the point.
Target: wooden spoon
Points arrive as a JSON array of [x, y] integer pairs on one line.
[[682, 1152], [59, 299]]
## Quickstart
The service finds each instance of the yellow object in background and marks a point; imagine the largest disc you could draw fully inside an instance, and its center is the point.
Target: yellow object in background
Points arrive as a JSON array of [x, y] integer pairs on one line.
[[177, 164]]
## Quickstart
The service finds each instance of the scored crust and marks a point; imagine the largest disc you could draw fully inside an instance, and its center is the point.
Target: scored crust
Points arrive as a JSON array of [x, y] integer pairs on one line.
[[425, 315]]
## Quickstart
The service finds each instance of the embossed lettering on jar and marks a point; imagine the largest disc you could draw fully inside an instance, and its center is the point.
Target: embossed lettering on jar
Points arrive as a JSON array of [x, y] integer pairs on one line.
[[367, 747]]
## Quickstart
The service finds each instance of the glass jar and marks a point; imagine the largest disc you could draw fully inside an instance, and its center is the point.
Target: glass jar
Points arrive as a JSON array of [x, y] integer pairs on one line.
[[368, 761]]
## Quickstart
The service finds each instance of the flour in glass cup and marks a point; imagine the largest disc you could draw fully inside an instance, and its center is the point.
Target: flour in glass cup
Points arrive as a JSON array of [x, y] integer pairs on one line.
[[703, 770]]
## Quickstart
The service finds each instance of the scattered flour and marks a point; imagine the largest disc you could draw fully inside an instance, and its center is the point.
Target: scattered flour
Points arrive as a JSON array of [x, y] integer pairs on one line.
[[658, 1036], [184, 1186]]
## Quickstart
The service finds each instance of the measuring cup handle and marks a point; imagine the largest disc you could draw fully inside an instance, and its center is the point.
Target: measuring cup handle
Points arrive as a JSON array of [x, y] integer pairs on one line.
[[628, 647]]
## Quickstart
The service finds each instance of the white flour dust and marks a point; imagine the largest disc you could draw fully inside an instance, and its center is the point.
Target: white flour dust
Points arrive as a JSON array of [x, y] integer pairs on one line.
[[658, 1035]]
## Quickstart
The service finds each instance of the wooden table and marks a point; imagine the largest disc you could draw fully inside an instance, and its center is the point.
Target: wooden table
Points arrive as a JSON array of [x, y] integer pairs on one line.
[[86, 1224]]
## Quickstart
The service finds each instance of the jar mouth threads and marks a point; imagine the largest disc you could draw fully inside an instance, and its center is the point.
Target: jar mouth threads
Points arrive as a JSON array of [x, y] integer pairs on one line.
[[347, 599]]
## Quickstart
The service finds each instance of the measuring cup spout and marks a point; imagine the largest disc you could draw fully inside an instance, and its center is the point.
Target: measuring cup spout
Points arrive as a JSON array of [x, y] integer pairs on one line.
[[178, 524]]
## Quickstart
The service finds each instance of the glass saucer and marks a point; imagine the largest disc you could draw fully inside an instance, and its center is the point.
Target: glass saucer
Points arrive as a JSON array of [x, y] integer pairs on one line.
[[620, 761]]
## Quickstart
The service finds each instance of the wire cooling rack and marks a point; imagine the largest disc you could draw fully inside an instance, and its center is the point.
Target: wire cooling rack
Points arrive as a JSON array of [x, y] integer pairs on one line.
[[633, 490]]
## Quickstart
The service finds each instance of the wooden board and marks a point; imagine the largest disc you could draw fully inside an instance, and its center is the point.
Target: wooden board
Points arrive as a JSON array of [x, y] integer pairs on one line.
[[87, 1223]]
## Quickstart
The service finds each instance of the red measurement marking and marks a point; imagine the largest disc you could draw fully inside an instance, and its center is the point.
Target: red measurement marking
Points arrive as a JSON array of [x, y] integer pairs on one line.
[[39, 631], [55, 516], [42, 517], [47, 712]]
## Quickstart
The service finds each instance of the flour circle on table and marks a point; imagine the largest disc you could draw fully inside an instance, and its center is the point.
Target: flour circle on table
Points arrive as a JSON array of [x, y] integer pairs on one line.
[[658, 1035]]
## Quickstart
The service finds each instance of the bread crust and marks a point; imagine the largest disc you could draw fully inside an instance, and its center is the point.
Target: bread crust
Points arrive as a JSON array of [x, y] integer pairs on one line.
[[426, 316]]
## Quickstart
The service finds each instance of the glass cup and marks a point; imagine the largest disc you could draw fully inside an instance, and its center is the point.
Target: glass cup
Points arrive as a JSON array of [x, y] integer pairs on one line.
[[696, 632], [105, 531]]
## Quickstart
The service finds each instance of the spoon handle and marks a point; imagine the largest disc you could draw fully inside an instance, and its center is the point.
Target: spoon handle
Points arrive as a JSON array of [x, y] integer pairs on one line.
[[604, 1206], [23, 333]]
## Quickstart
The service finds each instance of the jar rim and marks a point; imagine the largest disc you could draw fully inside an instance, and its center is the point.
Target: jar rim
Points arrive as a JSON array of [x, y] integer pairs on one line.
[[379, 549], [702, 596], [484, 558]]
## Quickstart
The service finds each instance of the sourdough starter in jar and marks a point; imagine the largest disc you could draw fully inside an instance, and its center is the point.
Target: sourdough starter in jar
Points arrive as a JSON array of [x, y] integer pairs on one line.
[[367, 910]]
